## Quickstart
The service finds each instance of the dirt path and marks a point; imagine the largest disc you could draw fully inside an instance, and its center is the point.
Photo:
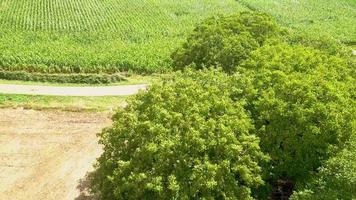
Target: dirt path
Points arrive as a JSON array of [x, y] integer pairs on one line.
[[43, 154], [121, 90]]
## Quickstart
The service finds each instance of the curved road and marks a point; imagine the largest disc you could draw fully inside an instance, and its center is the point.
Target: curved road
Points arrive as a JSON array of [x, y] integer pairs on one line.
[[121, 90]]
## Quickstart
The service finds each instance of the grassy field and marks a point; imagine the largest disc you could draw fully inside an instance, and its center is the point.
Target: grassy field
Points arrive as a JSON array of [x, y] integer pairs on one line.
[[94, 104], [65, 36], [334, 18]]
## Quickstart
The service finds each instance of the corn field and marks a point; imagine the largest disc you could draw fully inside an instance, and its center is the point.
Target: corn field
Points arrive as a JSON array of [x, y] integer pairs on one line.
[[109, 36], [65, 36], [335, 18]]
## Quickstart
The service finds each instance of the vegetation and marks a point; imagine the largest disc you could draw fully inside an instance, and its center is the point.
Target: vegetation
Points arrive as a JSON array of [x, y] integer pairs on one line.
[[250, 105], [94, 36], [225, 41], [62, 78], [317, 18], [336, 179], [110, 37], [183, 139], [130, 79], [302, 109], [61, 102], [327, 44]]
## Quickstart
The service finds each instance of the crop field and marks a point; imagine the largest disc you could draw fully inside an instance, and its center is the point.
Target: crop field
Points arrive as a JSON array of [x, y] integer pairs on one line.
[[65, 36], [334, 18], [152, 99], [111, 36]]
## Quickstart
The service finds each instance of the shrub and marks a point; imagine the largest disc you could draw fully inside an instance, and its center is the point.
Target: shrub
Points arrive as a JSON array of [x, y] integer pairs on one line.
[[225, 41], [184, 138], [303, 108]]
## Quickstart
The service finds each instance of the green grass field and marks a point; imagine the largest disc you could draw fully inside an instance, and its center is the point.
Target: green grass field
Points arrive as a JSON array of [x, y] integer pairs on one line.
[[320, 18], [94, 104], [65, 36]]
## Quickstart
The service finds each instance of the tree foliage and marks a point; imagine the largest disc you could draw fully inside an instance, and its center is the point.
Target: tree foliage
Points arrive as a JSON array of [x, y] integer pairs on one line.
[[205, 134], [336, 179], [303, 107], [225, 41], [185, 138]]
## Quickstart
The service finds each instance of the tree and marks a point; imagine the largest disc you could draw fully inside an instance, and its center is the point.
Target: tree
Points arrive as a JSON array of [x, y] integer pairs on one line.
[[225, 41], [197, 134], [185, 138], [336, 179], [303, 109]]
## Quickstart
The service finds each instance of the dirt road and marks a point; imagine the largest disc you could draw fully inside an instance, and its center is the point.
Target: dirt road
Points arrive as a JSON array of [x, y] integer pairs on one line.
[[121, 90], [43, 154]]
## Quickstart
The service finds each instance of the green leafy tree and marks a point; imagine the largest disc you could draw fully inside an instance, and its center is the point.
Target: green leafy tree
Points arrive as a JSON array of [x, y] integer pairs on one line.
[[225, 41], [336, 180], [196, 134], [303, 107], [185, 138]]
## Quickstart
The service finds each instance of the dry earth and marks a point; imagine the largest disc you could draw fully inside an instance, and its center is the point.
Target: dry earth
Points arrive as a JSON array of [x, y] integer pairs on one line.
[[44, 154]]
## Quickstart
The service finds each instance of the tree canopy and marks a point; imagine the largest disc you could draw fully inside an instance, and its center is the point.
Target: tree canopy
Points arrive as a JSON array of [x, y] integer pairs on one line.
[[336, 179], [225, 41], [284, 110], [303, 109], [184, 138]]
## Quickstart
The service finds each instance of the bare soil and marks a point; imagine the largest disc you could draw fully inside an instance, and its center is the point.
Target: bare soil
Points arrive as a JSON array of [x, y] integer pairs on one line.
[[44, 154]]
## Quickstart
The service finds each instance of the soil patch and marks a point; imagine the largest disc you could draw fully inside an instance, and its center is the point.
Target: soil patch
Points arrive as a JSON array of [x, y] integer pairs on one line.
[[44, 154]]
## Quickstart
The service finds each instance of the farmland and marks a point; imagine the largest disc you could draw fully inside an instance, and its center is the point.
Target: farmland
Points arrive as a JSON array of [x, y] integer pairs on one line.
[[91, 36], [240, 99], [314, 18]]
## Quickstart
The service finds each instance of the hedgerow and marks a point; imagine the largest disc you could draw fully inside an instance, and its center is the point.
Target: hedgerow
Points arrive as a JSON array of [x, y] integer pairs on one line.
[[62, 78], [67, 64]]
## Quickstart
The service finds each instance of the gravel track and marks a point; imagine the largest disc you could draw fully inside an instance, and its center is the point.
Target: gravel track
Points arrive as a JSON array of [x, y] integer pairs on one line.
[[122, 90]]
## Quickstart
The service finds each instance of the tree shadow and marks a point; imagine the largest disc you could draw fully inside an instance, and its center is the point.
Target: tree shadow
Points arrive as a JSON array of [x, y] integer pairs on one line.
[[84, 187]]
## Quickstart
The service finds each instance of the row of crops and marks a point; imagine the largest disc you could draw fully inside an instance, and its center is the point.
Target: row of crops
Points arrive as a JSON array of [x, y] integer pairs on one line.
[[315, 18], [93, 36], [82, 15], [111, 36]]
